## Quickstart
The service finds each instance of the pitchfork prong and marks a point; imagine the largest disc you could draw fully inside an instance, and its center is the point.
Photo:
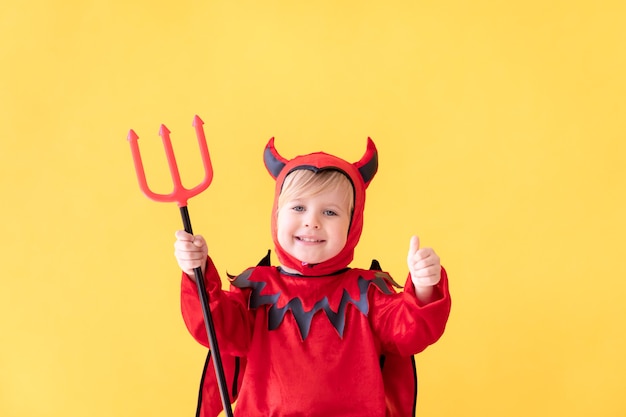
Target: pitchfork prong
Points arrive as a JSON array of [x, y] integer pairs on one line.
[[139, 170], [204, 151], [164, 132]]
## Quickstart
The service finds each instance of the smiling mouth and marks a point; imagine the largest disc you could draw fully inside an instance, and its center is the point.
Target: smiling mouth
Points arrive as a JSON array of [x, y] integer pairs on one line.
[[308, 240]]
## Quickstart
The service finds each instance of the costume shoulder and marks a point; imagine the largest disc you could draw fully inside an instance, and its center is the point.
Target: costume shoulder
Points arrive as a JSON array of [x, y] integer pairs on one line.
[[378, 272]]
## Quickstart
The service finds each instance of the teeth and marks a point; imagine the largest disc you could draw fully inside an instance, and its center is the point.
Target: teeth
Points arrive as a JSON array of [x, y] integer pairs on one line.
[[306, 239]]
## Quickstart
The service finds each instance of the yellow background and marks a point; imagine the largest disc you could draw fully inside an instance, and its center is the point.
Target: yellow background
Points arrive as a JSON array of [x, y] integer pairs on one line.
[[500, 127]]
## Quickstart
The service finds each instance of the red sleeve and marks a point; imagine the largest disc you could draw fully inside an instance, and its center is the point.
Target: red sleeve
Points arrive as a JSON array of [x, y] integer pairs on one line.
[[404, 326], [228, 311]]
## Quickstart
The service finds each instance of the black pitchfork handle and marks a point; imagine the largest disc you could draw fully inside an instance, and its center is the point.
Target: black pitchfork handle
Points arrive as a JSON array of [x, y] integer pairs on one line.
[[208, 321]]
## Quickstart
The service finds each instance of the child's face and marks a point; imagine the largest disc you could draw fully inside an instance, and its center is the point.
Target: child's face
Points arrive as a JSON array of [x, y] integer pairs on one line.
[[314, 228]]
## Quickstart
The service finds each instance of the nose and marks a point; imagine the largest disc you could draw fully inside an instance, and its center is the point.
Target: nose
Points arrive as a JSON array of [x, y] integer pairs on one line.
[[312, 221]]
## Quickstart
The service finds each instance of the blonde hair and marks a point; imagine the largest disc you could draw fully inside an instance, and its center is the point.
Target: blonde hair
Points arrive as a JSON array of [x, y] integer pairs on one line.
[[304, 182]]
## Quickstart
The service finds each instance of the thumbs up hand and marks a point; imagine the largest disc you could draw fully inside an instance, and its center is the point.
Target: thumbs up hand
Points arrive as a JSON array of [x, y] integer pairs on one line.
[[424, 265]]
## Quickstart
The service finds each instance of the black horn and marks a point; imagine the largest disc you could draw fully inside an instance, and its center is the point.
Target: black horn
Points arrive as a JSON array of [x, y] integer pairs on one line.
[[272, 159], [368, 164]]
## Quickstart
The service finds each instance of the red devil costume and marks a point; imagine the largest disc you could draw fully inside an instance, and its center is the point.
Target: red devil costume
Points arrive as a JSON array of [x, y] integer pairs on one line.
[[330, 341]]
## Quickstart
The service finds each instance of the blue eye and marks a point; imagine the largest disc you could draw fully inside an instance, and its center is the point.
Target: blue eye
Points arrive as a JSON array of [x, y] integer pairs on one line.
[[298, 208], [330, 213]]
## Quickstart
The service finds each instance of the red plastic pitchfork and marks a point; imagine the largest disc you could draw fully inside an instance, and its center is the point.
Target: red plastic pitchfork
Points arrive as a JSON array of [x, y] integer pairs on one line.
[[180, 195]]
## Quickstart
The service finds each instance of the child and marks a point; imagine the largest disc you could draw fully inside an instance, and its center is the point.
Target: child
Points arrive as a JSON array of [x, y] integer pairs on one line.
[[313, 337]]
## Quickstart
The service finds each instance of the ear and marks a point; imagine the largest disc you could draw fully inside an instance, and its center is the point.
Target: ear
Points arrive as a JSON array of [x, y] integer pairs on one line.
[[368, 164], [272, 159]]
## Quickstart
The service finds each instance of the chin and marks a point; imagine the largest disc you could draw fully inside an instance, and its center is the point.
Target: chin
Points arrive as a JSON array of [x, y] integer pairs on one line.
[[309, 259]]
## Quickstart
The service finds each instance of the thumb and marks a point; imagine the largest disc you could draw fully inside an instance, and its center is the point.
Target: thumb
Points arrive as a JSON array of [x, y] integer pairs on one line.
[[414, 245], [198, 240], [182, 235]]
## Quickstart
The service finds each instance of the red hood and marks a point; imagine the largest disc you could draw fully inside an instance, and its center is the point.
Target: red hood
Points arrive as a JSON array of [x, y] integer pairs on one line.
[[359, 173]]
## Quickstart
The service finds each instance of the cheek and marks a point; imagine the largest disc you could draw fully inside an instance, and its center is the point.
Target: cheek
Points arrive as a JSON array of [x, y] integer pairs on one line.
[[344, 239], [282, 238], [342, 235], [283, 226]]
